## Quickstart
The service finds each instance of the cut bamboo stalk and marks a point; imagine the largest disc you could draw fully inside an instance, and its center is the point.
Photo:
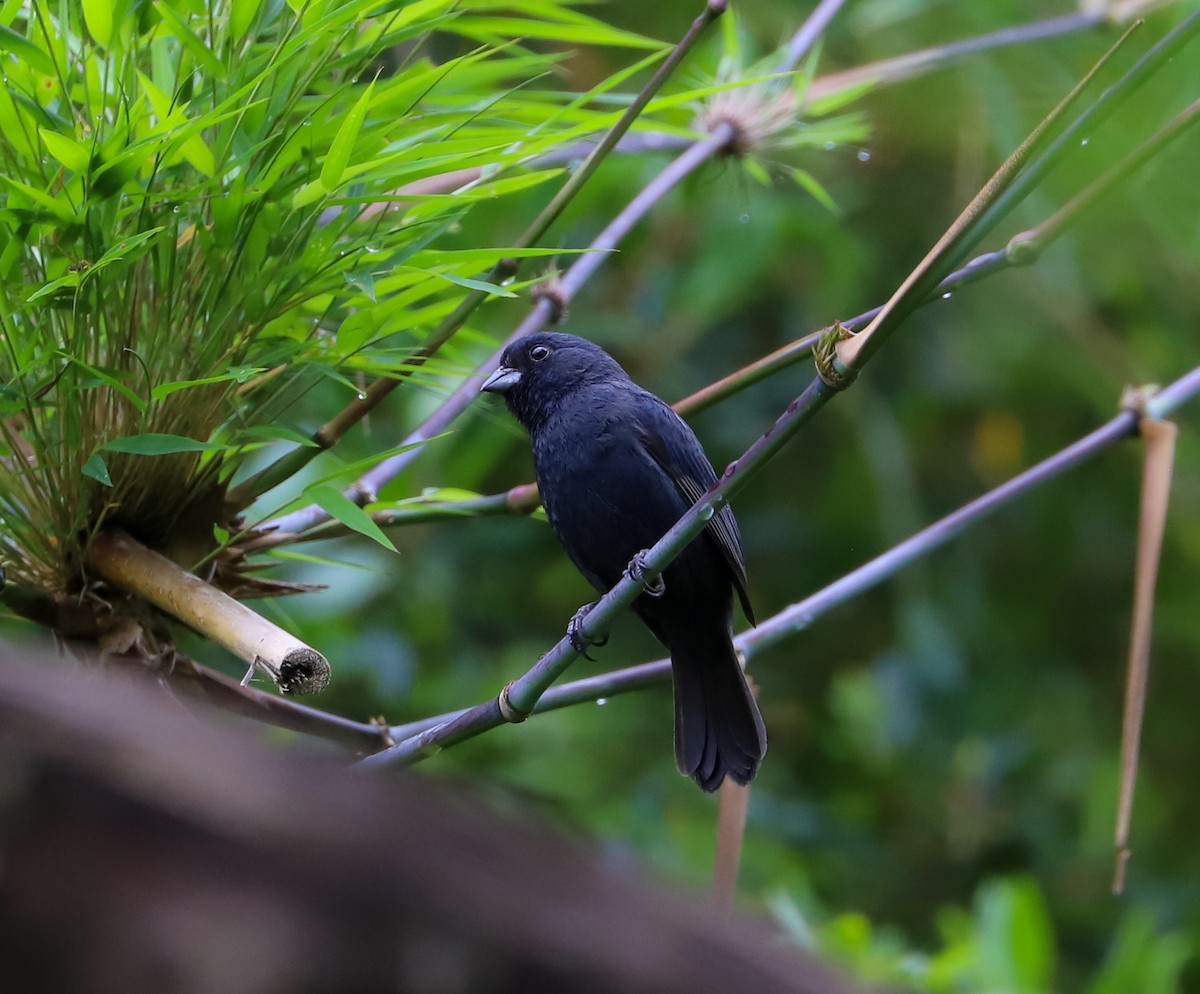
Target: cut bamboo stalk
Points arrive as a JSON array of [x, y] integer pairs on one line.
[[121, 560]]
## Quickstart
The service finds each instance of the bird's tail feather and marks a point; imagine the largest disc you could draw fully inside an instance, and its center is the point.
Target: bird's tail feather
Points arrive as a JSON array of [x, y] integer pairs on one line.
[[719, 731]]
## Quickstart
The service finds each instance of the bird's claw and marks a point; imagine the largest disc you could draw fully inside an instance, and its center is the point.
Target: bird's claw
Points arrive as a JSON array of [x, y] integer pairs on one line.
[[654, 583], [579, 641]]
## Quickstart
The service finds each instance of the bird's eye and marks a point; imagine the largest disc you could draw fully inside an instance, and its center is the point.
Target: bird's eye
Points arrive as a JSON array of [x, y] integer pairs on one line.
[[538, 353]]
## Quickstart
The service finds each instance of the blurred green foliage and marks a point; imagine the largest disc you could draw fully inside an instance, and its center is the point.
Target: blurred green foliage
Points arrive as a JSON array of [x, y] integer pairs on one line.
[[950, 739]]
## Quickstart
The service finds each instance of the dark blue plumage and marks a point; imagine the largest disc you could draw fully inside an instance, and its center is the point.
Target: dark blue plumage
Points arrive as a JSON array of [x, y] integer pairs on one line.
[[616, 468]]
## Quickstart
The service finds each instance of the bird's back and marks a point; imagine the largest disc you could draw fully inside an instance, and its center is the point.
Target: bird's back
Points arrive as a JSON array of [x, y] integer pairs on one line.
[[605, 496]]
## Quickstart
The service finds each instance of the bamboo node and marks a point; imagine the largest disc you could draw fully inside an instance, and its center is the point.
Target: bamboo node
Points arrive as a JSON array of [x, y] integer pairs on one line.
[[833, 373]]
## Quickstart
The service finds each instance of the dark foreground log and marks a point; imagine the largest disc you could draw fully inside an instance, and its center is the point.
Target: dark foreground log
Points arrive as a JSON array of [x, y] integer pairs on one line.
[[144, 848]]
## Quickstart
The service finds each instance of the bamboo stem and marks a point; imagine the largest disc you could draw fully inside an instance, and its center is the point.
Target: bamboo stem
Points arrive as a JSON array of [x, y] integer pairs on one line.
[[123, 561]]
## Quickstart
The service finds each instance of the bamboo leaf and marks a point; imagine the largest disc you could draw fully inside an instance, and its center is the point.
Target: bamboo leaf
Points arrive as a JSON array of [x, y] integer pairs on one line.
[[807, 182], [595, 33], [343, 142], [342, 509], [26, 51], [166, 389], [67, 151], [204, 56], [95, 468], [241, 16], [124, 248], [70, 280], [275, 433], [471, 284], [199, 155], [99, 377], [98, 15], [158, 444], [39, 197], [364, 281]]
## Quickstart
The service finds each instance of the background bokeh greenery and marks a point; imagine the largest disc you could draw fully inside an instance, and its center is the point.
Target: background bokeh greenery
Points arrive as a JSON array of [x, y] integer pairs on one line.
[[949, 740]]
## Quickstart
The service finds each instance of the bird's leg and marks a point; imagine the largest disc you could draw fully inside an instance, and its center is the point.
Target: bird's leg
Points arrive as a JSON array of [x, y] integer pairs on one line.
[[580, 642], [638, 570]]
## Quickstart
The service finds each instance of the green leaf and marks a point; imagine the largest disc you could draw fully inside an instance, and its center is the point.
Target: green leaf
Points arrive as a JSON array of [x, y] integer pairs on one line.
[[341, 508], [188, 38], [241, 16], [308, 557], [70, 280], [1014, 936], [124, 248], [364, 281], [446, 494], [95, 468], [67, 151], [26, 51], [56, 207], [275, 433], [806, 181], [166, 389], [308, 193], [98, 15], [343, 142], [1139, 959], [100, 376], [470, 284], [155, 444], [199, 155], [594, 33], [758, 172]]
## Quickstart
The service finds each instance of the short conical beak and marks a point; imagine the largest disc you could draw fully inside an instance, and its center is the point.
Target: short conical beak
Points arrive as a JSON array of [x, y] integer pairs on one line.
[[501, 381]]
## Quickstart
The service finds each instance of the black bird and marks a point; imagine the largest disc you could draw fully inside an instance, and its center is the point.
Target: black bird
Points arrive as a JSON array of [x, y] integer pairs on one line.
[[616, 468]]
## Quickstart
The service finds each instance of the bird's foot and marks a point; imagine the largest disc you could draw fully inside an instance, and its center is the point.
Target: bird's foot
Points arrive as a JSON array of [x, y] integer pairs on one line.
[[579, 641], [653, 582]]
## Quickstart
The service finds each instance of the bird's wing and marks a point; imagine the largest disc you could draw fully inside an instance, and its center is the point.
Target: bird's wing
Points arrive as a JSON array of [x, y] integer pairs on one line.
[[688, 467]]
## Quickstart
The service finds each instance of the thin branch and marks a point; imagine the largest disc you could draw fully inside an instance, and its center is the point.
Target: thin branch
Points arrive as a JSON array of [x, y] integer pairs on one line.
[[1007, 187], [520, 501], [1023, 249], [330, 433], [938, 56], [809, 34], [194, 680], [732, 807]]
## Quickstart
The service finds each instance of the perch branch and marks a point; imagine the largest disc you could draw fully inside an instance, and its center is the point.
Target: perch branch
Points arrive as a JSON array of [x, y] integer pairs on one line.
[[799, 616]]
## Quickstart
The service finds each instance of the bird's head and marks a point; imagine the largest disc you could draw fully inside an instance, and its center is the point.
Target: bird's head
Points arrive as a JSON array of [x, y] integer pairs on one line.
[[538, 372]]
